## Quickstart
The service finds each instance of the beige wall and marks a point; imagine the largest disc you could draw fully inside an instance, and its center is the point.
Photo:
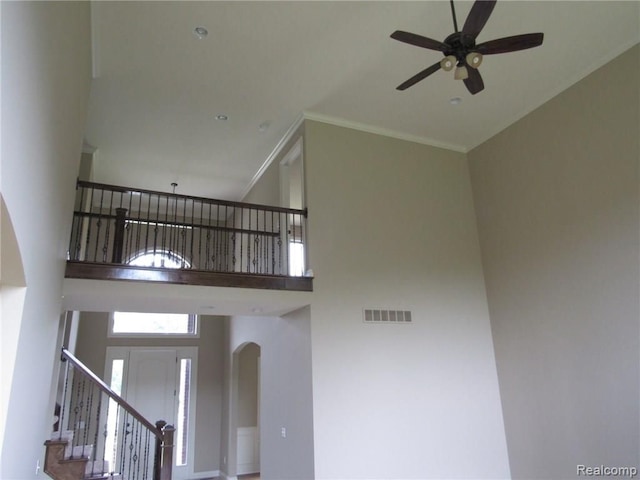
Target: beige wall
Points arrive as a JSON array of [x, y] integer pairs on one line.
[[91, 350], [46, 73], [557, 200], [285, 393], [392, 225]]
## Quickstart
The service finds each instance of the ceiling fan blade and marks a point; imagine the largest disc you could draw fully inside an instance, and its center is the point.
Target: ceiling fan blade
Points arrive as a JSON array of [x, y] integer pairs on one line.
[[418, 40], [510, 44], [419, 76], [474, 82], [478, 16]]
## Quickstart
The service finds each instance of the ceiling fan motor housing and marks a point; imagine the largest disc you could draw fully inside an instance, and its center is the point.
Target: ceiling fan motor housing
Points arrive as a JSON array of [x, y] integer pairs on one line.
[[459, 45]]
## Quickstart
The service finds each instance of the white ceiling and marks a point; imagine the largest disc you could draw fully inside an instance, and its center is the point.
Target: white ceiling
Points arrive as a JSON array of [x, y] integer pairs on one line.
[[108, 296], [158, 88]]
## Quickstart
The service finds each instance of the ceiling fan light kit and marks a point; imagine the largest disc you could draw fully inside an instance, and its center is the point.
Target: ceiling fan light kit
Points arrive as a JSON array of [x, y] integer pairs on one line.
[[461, 73], [474, 59], [448, 62], [460, 47]]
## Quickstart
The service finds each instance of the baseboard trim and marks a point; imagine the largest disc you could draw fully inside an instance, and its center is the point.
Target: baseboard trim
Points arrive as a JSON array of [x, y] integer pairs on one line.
[[205, 475]]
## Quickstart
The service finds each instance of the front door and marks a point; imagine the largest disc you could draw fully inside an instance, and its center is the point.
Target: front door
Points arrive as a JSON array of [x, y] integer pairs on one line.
[[152, 383], [156, 383]]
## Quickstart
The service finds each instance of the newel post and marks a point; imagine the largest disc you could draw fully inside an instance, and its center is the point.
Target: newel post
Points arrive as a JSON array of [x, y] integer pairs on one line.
[[163, 462], [118, 237]]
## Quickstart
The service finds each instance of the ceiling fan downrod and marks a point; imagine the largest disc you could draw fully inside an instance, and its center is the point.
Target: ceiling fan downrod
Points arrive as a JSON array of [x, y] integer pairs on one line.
[[453, 14]]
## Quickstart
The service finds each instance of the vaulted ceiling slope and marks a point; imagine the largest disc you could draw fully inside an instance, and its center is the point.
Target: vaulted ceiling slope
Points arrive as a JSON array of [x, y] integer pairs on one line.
[[159, 91]]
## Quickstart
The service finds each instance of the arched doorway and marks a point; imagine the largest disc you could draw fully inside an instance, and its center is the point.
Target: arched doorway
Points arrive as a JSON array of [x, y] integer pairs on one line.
[[246, 373]]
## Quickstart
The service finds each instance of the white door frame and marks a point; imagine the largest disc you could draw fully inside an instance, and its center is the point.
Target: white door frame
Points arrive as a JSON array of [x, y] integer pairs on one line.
[[123, 353]]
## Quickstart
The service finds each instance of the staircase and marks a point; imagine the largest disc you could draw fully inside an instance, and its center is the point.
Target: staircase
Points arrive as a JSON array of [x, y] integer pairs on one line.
[[99, 436], [63, 463]]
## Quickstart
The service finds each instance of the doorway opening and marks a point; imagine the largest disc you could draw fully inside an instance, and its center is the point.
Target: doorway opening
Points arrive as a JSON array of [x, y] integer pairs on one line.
[[292, 196], [247, 401], [160, 382]]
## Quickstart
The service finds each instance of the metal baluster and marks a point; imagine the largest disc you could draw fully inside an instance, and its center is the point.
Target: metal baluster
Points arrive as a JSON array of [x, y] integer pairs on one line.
[[241, 235], [147, 435], [155, 229], [134, 449], [184, 233], [208, 245], [76, 408], [224, 241], [249, 262], [265, 243], [87, 421], [97, 430], [273, 245], [198, 265], [192, 231], [105, 248], [130, 229], [220, 258], [87, 245], [126, 447], [280, 234], [232, 248], [164, 232], [260, 245], [148, 224], [79, 227], [105, 434], [116, 442], [64, 402], [139, 224]]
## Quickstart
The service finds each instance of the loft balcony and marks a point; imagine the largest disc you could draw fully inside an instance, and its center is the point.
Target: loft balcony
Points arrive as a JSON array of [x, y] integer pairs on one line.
[[122, 233]]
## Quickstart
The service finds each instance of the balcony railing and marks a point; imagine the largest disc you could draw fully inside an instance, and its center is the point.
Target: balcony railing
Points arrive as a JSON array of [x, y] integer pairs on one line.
[[146, 231]]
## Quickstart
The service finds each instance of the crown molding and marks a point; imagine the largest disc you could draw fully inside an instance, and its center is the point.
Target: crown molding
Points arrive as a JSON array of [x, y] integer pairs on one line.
[[339, 122], [385, 132], [274, 153]]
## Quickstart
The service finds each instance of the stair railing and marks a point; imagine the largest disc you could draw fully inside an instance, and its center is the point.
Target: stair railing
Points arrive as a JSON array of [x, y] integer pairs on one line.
[[100, 425]]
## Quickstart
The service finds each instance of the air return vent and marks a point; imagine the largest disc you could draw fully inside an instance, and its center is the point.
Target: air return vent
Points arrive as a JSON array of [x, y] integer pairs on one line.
[[386, 316]]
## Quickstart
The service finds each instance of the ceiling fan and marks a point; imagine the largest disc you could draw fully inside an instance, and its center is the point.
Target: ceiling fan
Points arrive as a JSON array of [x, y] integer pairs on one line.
[[460, 49]]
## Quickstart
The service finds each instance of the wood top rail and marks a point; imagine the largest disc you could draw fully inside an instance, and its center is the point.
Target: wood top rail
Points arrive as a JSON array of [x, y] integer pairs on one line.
[[229, 203], [67, 355]]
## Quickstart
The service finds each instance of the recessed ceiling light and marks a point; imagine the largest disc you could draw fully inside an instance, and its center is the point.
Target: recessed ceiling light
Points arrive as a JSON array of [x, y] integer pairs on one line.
[[455, 101], [264, 126], [201, 32], [222, 117]]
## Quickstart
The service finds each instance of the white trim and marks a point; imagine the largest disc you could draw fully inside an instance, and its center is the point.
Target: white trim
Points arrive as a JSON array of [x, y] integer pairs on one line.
[[112, 334], [90, 149], [225, 476], [205, 475], [363, 127], [274, 153], [191, 353], [124, 353]]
